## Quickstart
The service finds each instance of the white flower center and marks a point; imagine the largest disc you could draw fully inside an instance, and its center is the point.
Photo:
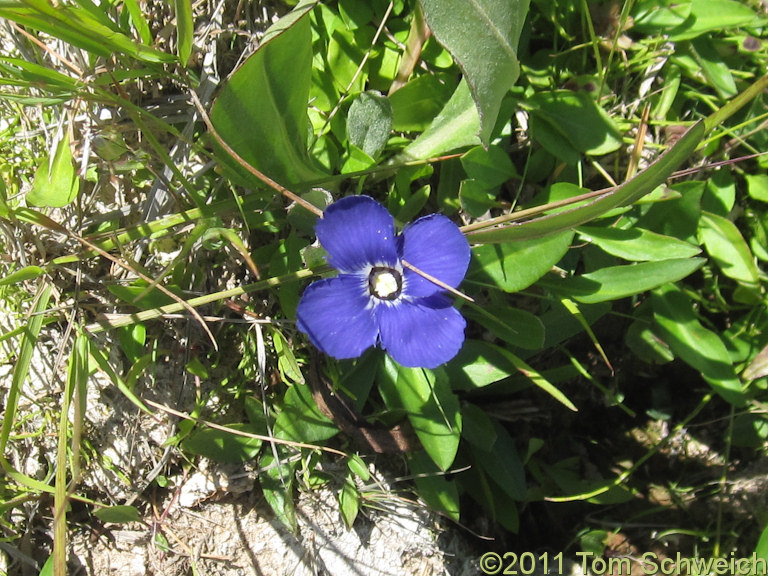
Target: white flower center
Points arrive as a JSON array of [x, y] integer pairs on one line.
[[385, 283]]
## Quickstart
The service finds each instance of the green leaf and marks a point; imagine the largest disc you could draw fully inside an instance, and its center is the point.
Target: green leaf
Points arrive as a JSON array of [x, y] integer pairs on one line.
[[616, 282], [637, 244], [349, 502], [23, 362], [491, 167], [56, 183], [502, 463], [439, 492], [653, 16], [185, 29], [478, 429], [432, 408], [301, 419], [416, 104], [761, 549], [578, 120], [516, 265], [120, 514], [679, 327], [478, 364], [262, 110], [277, 479], [714, 68], [223, 446], [22, 275], [286, 361], [369, 122], [710, 15], [632, 190], [511, 325], [757, 186], [455, 127], [482, 37], [727, 247]]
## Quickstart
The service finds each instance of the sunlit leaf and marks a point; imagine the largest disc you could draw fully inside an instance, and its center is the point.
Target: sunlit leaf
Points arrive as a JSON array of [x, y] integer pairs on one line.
[[616, 282], [261, 112], [56, 183], [433, 409], [637, 244], [482, 37]]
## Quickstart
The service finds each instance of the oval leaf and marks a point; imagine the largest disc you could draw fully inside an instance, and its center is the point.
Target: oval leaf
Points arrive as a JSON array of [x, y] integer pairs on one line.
[[637, 244], [616, 282], [262, 111], [482, 37], [699, 347], [431, 406]]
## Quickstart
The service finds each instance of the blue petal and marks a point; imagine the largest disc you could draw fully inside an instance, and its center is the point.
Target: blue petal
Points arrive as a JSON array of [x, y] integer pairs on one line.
[[434, 245], [336, 315], [423, 333], [357, 231]]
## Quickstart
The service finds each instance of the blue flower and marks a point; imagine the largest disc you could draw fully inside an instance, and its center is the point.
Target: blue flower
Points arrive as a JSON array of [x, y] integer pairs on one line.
[[375, 299]]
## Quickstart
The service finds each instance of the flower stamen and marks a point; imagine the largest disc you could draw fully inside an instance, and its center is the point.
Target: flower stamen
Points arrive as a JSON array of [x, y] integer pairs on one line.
[[385, 283]]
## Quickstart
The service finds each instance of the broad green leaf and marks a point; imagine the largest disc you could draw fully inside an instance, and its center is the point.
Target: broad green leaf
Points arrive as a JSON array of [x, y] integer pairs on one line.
[[680, 328], [514, 266], [757, 186], [577, 119], [120, 514], [714, 68], [502, 463], [301, 419], [222, 446], [56, 183], [727, 247], [476, 198], [482, 37], [710, 15], [491, 167], [478, 428], [637, 244], [277, 479], [418, 102], [616, 282], [478, 364], [369, 122], [645, 344], [455, 127], [261, 113], [358, 467], [431, 406], [511, 325], [438, 491], [654, 15], [185, 29], [632, 190]]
